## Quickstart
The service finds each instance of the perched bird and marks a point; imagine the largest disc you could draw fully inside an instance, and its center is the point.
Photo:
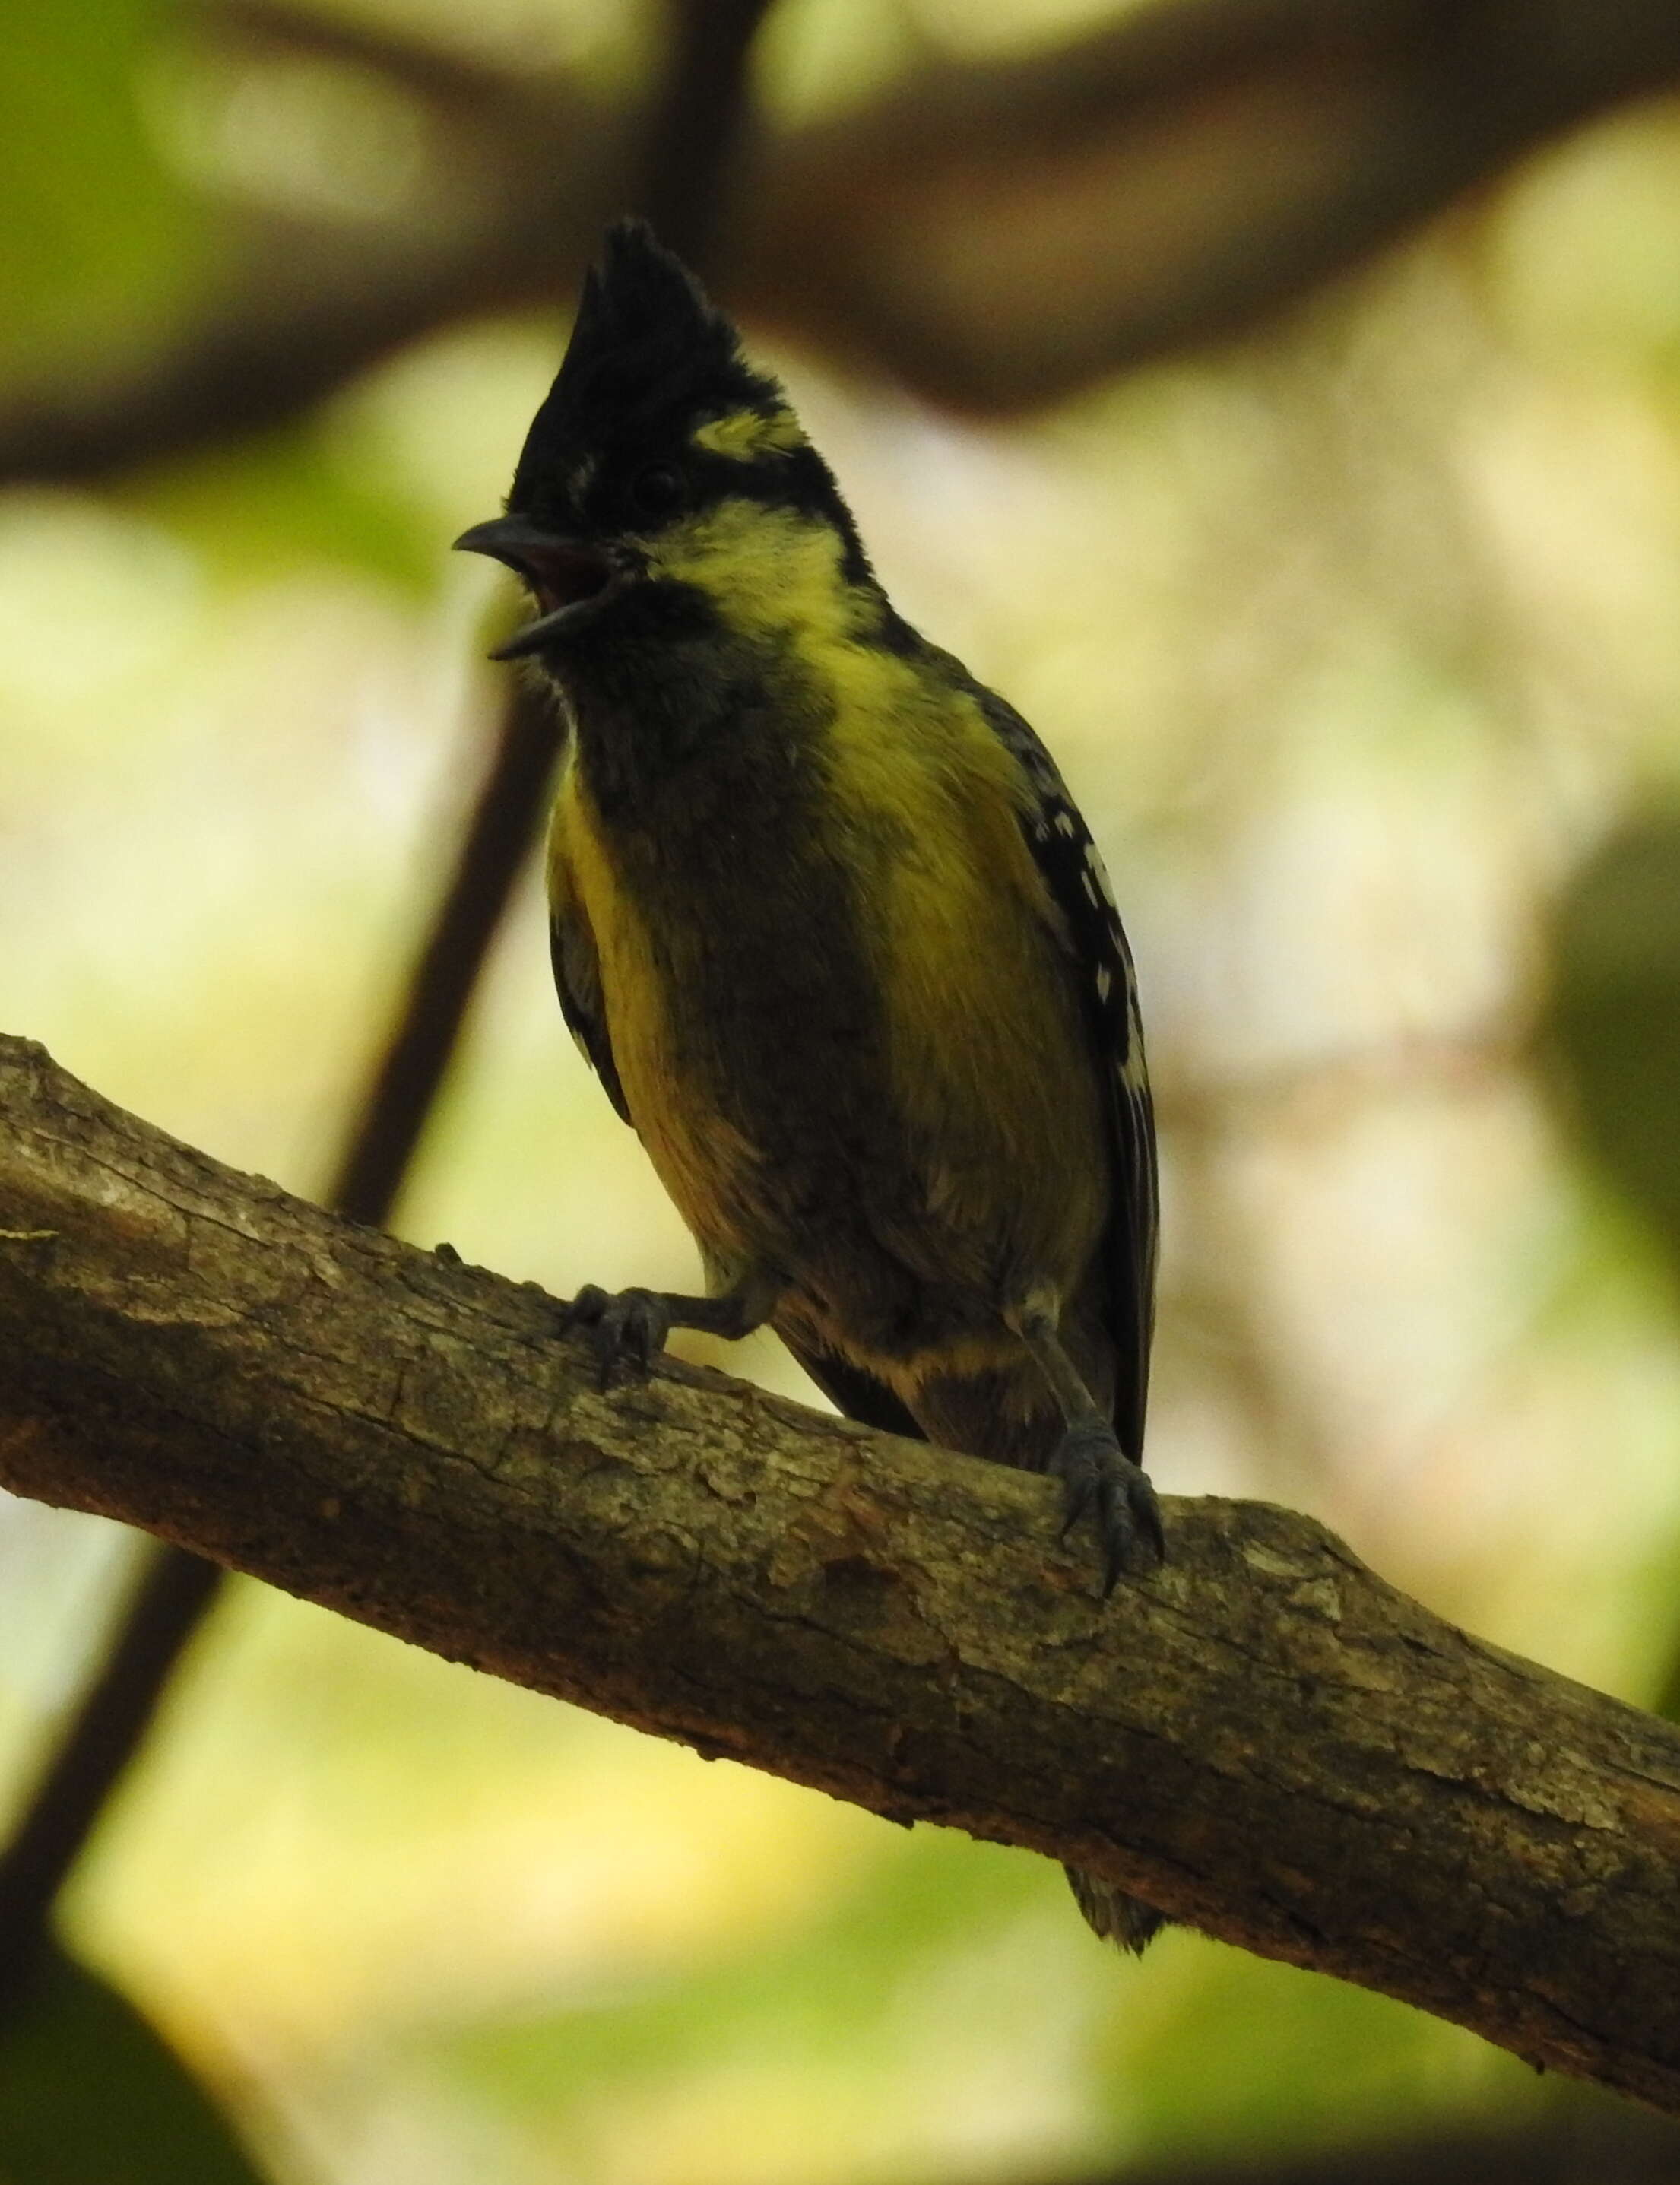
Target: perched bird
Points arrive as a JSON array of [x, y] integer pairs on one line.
[[832, 932]]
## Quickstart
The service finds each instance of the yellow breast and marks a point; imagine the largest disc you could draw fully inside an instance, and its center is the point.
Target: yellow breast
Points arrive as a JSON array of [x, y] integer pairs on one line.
[[711, 1170]]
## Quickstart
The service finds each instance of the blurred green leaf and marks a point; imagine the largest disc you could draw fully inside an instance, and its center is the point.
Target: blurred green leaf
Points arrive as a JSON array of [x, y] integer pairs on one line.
[[90, 2095], [1615, 1032], [1614, 1025], [96, 230], [830, 1988], [1299, 2056], [266, 507]]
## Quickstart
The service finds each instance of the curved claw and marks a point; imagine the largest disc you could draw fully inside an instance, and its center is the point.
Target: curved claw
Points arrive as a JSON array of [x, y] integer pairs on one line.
[[1095, 1472], [624, 1325]]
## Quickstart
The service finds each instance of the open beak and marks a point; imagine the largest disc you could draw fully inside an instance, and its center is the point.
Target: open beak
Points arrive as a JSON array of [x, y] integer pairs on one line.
[[571, 582]]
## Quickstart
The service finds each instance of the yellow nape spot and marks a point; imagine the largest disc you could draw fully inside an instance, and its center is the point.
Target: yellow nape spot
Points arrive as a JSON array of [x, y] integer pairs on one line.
[[743, 435]]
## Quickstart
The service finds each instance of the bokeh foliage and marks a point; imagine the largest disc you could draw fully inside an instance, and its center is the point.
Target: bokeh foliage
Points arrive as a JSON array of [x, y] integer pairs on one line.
[[1358, 641], [88, 2090], [99, 233], [1616, 1015]]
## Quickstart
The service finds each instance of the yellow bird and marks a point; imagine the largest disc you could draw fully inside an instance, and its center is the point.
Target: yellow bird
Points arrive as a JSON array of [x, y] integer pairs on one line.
[[832, 932]]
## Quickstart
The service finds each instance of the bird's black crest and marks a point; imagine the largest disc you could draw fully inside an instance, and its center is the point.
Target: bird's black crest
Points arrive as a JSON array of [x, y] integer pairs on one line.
[[649, 353]]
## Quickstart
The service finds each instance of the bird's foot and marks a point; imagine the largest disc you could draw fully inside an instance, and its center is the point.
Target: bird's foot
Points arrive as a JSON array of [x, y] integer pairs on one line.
[[622, 1324], [1098, 1476]]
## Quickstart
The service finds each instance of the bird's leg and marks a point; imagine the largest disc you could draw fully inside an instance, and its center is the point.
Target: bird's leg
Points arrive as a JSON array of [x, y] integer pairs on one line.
[[1095, 1470], [632, 1324]]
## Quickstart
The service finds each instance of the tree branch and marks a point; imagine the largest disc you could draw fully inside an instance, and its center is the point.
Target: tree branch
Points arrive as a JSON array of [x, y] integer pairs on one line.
[[988, 234], [992, 235], [1265, 1740], [1007, 233]]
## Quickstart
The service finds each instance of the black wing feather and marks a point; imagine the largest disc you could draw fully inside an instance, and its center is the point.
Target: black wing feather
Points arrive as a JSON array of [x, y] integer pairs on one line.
[[1072, 869], [576, 978], [854, 1392]]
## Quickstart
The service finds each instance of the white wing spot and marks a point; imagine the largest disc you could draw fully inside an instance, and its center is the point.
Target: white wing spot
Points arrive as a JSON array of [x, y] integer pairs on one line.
[[1135, 1070], [1105, 982]]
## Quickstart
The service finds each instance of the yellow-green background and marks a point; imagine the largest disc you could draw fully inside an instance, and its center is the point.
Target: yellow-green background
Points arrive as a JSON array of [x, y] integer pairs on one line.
[[1358, 641]]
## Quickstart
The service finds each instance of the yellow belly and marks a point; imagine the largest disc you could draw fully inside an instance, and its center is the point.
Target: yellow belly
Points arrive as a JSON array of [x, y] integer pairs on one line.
[[713, 1174]]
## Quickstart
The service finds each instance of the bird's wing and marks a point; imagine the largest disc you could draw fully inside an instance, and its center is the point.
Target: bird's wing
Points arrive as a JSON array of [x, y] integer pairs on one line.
[[577, 976], [1072, 866], [853, 1391]]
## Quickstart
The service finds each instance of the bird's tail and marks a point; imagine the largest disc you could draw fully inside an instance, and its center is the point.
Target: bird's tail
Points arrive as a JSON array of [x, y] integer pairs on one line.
[[1126, 1921]]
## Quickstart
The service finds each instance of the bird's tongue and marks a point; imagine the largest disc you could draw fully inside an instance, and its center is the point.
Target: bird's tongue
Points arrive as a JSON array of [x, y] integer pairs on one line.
[[562, 575]]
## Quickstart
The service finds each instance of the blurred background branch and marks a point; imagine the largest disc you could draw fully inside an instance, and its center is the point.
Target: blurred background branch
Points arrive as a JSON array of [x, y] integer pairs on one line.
[[1584, 2142], [1163, 182]]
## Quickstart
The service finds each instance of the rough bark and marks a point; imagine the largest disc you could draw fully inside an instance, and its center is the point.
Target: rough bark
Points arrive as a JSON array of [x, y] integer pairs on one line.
[[1264, 1739]]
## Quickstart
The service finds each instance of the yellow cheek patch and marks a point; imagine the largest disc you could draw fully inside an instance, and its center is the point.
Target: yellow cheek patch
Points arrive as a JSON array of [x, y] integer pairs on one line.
[[743, 435], [770, 572]]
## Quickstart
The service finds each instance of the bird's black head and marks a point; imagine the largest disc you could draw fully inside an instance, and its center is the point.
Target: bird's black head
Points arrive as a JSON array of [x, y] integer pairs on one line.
[[656, 439]]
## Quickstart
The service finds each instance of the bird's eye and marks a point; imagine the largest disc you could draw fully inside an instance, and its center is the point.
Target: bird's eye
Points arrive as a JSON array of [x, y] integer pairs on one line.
[[659, 490]]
